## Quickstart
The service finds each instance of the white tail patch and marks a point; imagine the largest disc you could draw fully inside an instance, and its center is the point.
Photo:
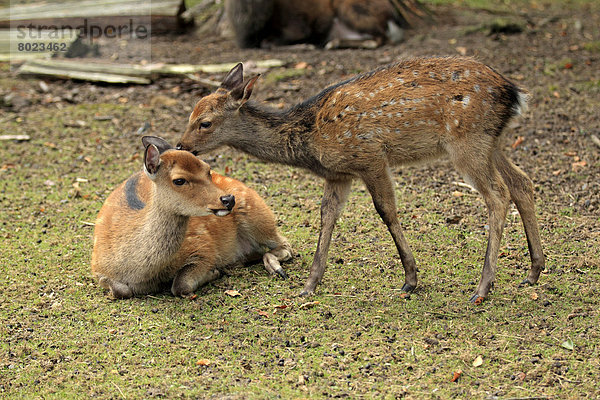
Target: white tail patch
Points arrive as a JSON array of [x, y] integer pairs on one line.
[[521, 105]]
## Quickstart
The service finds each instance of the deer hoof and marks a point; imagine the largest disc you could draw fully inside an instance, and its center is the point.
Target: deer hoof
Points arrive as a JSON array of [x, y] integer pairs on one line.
[[477, 299], [282, 273], [408, 288]]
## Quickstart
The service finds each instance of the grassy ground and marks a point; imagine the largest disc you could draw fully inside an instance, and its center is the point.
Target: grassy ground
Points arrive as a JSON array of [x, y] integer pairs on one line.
[[62, 337]]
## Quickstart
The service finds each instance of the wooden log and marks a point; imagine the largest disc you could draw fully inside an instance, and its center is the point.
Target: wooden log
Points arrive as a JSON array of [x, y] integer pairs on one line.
[[125, 73], [94, 16], [37, 69]]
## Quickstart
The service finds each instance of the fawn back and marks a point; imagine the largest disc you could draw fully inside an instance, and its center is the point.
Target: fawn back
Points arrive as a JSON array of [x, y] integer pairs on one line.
[[409, 111]]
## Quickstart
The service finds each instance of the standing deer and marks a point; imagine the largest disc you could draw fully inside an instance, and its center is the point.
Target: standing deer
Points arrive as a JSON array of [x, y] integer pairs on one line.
[[413, 110], [176, 222]]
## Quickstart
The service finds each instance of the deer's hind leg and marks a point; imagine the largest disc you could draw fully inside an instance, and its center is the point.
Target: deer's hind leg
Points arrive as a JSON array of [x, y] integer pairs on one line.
[[480, 171], [521, 193]]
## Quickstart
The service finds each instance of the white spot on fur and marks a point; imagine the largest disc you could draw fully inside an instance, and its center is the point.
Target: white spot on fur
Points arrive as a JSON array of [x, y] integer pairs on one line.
[[476, 88], [466, 101]]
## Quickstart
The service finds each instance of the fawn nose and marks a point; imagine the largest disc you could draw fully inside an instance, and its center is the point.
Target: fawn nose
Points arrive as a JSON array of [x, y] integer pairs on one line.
[[178, 147], [228, 201]]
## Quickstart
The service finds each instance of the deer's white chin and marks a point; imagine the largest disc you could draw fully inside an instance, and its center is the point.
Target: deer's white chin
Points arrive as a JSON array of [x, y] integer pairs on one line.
[[222, 213]]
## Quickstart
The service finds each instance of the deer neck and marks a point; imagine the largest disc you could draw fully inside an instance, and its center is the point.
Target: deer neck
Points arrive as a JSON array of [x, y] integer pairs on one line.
[[279, 136], [161, 235]]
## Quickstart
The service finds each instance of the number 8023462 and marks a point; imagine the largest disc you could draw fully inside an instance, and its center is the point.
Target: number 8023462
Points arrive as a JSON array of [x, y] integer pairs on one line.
[[41, 46]]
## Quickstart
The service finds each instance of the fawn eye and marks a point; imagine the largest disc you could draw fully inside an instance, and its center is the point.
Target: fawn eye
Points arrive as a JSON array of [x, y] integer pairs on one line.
[[179, 181], [205, 124]]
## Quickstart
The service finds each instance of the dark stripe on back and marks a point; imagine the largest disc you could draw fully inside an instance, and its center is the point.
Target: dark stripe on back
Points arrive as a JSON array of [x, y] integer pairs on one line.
[[133, 201]]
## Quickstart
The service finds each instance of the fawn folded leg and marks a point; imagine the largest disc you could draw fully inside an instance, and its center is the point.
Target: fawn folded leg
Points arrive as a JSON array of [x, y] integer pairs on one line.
[[521, 193], [380, 187], [273, 258], [193, 275], [117, 289], [332, 204]]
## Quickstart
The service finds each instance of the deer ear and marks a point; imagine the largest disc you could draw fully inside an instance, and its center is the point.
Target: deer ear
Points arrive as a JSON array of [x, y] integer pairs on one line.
[[234, 78], [151, 160], [241, 94], [161, 144]]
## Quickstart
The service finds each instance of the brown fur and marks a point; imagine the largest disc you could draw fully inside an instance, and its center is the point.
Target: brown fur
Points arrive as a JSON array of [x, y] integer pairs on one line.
[[277, 22], [140, 251], [405, 112]]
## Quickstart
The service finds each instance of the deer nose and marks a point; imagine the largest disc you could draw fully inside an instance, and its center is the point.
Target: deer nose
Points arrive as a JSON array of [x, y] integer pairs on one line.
[[179, 147], [228, 201]]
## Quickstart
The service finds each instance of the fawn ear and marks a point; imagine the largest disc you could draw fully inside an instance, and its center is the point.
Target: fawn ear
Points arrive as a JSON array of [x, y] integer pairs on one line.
[[161, 144], [151, 160], [241, 94], [234, 78]]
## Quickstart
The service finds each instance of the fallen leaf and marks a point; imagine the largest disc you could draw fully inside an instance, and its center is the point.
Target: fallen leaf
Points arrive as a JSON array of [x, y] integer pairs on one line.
[[456, 193], [456, 375], [461, 50], [578, 165], [310, 304], [282, 306], [263, 313], [477, 361], [8, 166], [568, 344], [533, 296], [570, 153], [517, 142], [521, 376], [232, 293], [203, 362], [50, 144], [557, 172], [301, 65], [405, 295]]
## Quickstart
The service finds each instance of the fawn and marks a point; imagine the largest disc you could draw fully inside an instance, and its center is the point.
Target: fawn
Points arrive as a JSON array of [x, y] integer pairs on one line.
[[330, 23], [409, 111], [176, 222]]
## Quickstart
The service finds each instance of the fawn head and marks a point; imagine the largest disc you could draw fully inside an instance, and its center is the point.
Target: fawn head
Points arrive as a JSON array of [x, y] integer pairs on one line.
[[216, 119], [182, 181]]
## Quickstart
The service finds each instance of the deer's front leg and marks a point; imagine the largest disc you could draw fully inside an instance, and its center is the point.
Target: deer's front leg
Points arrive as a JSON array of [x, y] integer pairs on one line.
[[334, 199], [381, 189], [192, 276], [273, 257]]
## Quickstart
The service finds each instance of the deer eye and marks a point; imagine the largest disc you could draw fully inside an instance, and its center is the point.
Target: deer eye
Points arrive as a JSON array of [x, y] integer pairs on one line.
[[205, 124], [179, 182]]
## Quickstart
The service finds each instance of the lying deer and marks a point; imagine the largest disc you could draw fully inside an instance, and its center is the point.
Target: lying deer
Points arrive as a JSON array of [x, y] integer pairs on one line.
[[176, 222], [330, 23], [409, 111]]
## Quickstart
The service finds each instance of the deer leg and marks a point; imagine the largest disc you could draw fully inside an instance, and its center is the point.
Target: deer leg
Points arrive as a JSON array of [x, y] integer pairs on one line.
[[521, 193], [273, 257], [194, 274], [334, 199], [117, 289], [382, 192], [490, 184]]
